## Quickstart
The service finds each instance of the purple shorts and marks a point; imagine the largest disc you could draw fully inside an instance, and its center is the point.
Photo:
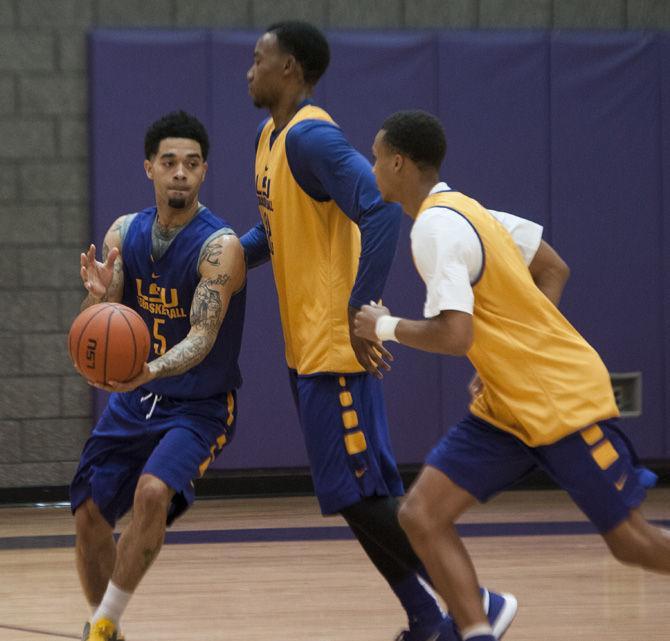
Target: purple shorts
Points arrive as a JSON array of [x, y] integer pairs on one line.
[[346, 433], [596, 466], [174, 440]]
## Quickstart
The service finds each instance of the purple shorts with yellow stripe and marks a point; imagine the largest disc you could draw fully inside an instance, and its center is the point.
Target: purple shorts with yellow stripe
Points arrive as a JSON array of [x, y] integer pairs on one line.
[[595, 465], [172, 439], [346, 433]]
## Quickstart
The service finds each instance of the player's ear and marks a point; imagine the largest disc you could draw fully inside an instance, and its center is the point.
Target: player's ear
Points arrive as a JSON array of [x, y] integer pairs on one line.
[[291, 65], [398, 162], [149, 169], [204, 170]]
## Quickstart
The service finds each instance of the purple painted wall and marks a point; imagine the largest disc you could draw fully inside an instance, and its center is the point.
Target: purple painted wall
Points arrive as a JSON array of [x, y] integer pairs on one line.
[[571, 130]]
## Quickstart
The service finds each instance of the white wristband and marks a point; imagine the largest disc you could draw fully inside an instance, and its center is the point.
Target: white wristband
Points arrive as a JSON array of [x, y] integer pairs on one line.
[[385, 328]]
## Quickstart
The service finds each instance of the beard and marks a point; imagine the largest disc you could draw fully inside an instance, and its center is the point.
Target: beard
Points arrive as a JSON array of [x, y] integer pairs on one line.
[[177, 203]]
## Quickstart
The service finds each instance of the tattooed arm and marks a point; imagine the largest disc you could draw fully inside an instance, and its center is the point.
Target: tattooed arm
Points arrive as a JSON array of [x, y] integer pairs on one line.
[[222, 273], [104, 280]]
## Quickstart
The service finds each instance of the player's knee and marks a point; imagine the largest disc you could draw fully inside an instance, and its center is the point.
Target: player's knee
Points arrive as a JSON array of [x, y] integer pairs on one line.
[[88, 519], [631, 547], [151, 496], [415, 518]]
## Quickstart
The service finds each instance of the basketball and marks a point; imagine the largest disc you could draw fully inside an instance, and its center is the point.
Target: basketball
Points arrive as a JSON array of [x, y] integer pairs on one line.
[[108, 342]]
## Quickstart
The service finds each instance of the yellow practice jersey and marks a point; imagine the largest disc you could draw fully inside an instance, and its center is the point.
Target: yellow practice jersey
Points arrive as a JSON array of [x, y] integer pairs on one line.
[[542, 380], [315, 250]]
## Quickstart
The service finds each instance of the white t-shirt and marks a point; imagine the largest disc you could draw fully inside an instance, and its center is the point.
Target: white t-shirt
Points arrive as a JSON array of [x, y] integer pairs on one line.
[[448, 254]]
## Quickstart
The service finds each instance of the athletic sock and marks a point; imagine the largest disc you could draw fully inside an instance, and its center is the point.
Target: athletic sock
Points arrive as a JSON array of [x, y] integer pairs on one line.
[[420, 604], [113, 604], [478, 632]]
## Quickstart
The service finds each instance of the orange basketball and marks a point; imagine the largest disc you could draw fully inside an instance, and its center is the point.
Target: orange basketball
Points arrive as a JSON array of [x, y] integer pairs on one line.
[[108, 342]]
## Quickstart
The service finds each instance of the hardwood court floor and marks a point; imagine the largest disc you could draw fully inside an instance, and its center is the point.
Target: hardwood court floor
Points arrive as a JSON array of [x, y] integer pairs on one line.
[[302, 579]]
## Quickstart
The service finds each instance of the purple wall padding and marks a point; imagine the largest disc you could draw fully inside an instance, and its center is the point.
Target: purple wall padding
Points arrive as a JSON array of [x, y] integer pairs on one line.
[[606, 204], [134, 78], [563, 129], [664, 237]]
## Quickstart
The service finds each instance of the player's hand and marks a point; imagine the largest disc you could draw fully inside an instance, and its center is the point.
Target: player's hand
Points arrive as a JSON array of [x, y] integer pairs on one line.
[[369, 352], [365, 321], [475, 387], [144, 377], [95, 275]]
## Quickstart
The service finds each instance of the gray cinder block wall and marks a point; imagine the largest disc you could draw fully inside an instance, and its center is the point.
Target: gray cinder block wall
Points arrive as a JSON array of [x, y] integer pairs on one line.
[[44, 407]]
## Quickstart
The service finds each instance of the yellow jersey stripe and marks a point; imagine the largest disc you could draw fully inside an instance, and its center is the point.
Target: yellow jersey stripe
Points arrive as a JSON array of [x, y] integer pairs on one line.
[[592, 434], [355, 443], [604, 455], [350, 419], [345, 399]]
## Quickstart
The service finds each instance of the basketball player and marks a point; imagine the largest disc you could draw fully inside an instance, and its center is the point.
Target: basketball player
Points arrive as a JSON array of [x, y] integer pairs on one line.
[[182, 269], [543, 397], [331, 240]]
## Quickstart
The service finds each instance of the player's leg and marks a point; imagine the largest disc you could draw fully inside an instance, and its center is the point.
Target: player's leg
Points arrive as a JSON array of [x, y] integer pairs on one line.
[[424, 613], [376, 518], [102, 491], [375, 523], [142, 539], [95, 551], [191, 434], [352, 467], [600, 471], [428, 515], [638, 542], [137, 548], [471, 463]]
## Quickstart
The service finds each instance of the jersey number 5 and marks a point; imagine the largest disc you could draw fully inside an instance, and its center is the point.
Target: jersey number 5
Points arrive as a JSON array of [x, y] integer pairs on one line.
[[161, 346]]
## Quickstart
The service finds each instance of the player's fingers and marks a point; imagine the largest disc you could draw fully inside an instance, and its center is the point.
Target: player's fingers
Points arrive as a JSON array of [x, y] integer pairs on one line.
[[384, 352], [376, 362], [111, 257], [377, 358], [363, 357]]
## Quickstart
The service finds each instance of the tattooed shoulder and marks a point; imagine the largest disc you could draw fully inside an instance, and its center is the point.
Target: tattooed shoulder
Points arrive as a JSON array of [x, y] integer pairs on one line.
[[213, 251]]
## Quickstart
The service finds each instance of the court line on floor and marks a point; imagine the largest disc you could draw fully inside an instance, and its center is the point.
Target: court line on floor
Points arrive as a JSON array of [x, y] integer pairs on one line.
[[18, 628], [326, 533]]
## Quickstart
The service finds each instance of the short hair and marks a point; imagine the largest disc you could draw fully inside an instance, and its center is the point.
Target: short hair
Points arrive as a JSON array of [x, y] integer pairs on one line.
[[177, 124], [418, 135], [306, 44]]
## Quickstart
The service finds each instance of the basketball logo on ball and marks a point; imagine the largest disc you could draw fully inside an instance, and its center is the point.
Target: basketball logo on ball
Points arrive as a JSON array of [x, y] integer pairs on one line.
[[109, 342]]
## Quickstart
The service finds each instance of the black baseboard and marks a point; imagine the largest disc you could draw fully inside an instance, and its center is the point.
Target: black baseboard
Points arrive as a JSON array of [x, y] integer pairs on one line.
[[271, 482]]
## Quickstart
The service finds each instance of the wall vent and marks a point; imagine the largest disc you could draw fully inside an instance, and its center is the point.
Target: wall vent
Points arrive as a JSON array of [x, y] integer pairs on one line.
[[628, 392]]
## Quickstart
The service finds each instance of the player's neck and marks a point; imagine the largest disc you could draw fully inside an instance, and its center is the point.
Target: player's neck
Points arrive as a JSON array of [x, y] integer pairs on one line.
[[288, 106], [168, 217], [416, 193]]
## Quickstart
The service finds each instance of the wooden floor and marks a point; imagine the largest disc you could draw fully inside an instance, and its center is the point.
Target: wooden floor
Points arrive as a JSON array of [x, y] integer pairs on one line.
[[319, 590]]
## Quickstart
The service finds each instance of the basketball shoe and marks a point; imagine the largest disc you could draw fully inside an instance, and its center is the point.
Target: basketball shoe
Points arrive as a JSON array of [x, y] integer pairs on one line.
[[102, 630], [500, 611]]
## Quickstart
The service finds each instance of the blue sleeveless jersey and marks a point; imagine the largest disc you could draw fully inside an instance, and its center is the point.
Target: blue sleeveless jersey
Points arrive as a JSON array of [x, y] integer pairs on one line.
[[161, 291]]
